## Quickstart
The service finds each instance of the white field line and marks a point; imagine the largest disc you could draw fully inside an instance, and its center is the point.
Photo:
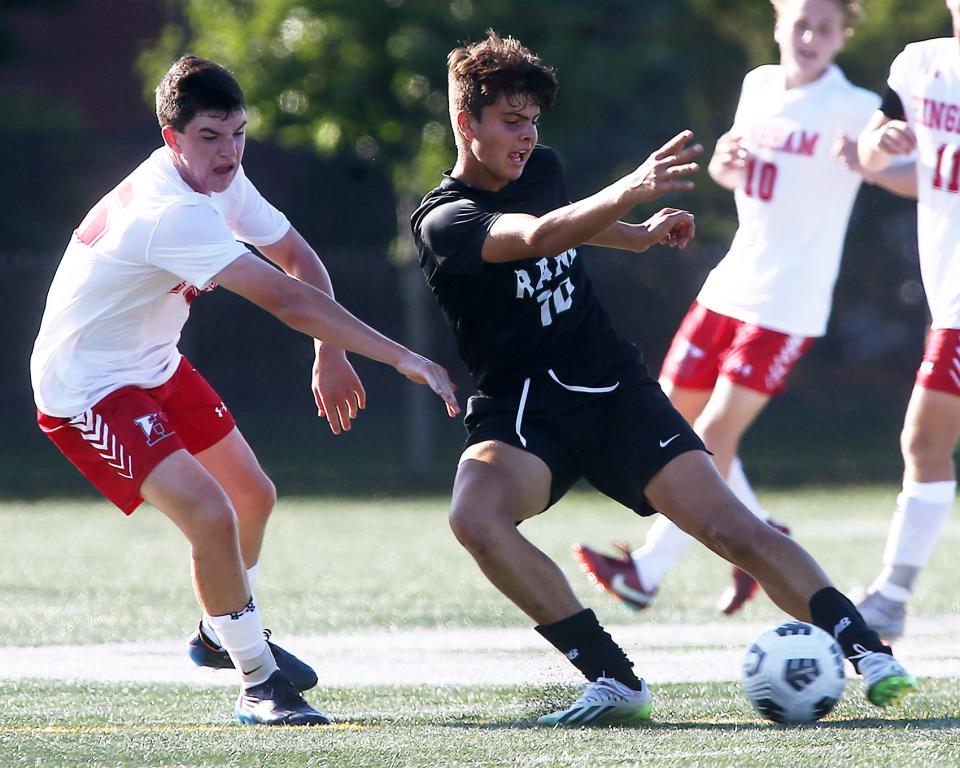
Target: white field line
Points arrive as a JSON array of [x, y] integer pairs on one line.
[[662, 653]]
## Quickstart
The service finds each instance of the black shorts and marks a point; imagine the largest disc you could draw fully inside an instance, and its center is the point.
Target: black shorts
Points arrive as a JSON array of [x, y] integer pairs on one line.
[[616, 434]]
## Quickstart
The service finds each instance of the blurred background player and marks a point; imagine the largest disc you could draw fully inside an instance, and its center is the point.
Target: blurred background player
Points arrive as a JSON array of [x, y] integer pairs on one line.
[[793, 167], [560, 395], [120, 401], [920, 117]]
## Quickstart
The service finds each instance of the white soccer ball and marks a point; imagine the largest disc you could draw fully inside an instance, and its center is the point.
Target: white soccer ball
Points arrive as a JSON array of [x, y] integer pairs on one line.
[[793, 673]]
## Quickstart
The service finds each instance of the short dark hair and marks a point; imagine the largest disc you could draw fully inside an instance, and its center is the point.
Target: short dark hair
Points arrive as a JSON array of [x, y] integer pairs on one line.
[[193, 85], [479, 73]]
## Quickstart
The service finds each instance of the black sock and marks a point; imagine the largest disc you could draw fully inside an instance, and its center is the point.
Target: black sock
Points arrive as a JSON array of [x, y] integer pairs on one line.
[[838, 617], [590, 649]]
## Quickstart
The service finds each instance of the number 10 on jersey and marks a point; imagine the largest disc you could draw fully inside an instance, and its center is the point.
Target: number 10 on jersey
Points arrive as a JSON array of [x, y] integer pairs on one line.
[[761, 178]]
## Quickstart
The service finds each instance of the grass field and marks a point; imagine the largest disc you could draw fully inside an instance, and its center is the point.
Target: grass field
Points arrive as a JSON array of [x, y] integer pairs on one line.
[[82, 574]]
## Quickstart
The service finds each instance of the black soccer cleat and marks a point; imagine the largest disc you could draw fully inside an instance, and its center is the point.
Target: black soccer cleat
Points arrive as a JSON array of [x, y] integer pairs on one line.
[[276, 702], [205, 653]]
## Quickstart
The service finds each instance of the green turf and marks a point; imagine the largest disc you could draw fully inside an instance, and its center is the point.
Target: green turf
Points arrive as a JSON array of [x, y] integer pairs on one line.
[[82, 573], [694, 725]]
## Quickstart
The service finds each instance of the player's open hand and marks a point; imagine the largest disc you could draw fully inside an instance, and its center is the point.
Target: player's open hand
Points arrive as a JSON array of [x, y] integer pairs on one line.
[[670, 226], [336, 389], [895, 137], [730, 155], [666, 170], [423, 371], [844, 150]]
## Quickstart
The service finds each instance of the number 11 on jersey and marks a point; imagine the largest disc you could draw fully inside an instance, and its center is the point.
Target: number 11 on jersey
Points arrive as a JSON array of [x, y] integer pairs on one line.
[[947, 168]]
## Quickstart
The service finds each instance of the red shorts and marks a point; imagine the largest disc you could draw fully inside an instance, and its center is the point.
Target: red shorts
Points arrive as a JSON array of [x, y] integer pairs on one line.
[[940, 368], [117, 443], [708, 345]]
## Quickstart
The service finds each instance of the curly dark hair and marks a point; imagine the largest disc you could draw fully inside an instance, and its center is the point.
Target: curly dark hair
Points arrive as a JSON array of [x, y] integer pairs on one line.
[[194, 85], [479, 73]]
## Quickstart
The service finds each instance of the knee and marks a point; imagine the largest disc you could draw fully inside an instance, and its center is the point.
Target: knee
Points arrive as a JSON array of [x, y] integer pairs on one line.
[[214, 525], [475, 530], [920, 451], [259, 499]]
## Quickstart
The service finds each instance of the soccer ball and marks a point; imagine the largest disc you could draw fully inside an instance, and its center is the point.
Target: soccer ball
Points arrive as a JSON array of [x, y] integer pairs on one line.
[[793, 673]]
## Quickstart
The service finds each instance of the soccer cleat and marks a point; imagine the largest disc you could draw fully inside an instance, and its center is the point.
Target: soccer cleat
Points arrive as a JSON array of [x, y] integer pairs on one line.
[[204, 653], [604, 702], [886, 680], [616, 575], [744, 587], [884, 616], [276, 702]]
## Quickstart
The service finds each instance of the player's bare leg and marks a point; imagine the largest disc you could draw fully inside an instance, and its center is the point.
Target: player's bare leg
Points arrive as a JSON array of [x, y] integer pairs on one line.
[[689, 402], [930, 433], [185, 492], [496, 487], [690, 491], [232, 463], [234, 466], [721, 416]]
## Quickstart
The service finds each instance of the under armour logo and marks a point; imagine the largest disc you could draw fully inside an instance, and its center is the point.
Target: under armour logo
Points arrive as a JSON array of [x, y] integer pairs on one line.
[[154, 427], [572, 654], [220, 410]]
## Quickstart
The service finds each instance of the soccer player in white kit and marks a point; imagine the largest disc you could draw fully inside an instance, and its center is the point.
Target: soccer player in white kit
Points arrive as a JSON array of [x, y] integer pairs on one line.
[[920, 116], [119, 400], [794, 171]]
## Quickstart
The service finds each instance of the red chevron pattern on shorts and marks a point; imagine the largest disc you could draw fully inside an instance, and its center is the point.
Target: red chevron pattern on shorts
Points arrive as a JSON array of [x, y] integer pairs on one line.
[[97, 433], [955, 367]]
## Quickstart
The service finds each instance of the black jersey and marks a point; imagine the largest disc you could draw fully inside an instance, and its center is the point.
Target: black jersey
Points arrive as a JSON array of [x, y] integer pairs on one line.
[[515, 319]]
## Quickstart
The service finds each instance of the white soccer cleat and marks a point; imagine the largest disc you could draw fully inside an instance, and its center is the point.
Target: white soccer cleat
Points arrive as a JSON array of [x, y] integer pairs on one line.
[[886, 680], [604, 702]]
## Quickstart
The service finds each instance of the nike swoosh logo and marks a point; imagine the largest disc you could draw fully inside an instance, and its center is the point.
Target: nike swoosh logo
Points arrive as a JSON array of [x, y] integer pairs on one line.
[[665, 443], [619, 585]]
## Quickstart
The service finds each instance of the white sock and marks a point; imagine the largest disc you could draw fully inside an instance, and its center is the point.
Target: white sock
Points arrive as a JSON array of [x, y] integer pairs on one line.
[[241, 635], [741, 488], [209, 632], [922, 509], [666, 543]]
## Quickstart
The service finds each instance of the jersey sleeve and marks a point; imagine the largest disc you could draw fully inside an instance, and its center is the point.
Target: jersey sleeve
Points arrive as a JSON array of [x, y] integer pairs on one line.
[[892, 105], [899, 78], [193, 242], [454, 233], [249, 215]]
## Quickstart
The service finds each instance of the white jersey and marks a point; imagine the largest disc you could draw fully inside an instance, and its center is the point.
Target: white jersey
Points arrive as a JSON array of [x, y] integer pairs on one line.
[[794, 204], [122, 292], [926, 77]]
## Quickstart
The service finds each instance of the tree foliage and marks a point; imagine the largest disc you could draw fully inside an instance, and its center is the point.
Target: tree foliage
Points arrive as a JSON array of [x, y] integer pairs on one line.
[[368, 76]]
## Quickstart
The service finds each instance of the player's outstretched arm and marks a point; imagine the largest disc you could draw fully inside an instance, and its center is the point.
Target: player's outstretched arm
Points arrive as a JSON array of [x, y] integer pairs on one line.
[[668, 226], [337, 389], [882, 140], [518, 236], [899, 178], [313, 312]]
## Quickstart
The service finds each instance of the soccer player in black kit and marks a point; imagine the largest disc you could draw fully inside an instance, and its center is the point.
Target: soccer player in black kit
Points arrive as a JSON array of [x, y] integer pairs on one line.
[[560, 395]]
